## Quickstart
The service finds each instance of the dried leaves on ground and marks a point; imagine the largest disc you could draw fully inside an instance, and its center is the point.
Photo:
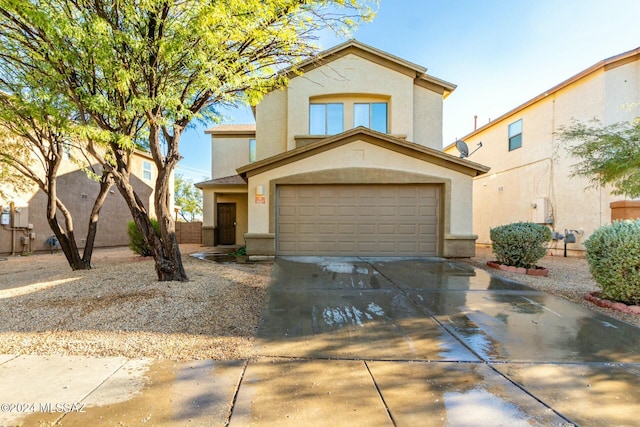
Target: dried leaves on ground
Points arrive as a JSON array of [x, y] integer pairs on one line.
[[120, 309]]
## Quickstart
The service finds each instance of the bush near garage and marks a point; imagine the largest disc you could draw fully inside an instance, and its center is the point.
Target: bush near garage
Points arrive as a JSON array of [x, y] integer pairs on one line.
[[520, 244], [613, 254], [136, 242]]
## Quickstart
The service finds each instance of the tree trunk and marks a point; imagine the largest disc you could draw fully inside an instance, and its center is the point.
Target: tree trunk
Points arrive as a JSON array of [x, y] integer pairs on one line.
[[105, 185], [65, 237], [165, 250], [171, 249]]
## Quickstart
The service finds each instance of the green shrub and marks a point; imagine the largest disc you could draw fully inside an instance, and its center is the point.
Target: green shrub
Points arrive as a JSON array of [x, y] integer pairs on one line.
[[520, 244], [241, 251], [613, 253], [136, 242]]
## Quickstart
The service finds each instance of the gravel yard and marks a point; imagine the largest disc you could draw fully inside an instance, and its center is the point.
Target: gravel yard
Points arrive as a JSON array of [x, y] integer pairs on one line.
[[120, 309]]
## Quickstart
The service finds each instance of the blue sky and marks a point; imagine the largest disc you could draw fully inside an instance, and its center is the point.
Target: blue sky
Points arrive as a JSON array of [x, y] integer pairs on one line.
[[500, 53]]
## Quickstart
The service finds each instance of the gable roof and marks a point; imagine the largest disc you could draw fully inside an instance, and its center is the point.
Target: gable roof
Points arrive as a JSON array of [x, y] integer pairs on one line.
[[224, 181], [232, 129], [417, 72], [376, 138], [604, 65]]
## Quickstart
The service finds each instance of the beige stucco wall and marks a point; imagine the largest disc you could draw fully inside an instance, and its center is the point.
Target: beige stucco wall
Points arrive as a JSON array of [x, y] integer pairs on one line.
[[360, 154], [351, 75], [228, 154], [271, 124], [413, 112], [541, 168], [428, 115]]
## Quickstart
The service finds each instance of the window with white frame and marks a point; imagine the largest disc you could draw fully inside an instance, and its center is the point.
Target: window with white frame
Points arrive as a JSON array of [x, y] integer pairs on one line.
[[326, 119], [372, 115], [146, 170], [252, 150], [515, 135]]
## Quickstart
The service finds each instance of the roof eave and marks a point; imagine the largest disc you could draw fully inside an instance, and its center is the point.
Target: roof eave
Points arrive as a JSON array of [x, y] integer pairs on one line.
[[471, 168], [606, 64]]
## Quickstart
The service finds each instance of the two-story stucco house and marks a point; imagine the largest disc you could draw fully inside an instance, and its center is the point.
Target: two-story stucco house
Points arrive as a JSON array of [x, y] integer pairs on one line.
[[347, 160], [24, 226], [530, 167]]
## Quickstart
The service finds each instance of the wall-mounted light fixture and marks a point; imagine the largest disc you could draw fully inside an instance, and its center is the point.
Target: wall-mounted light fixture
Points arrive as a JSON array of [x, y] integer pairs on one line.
[[260, 190]]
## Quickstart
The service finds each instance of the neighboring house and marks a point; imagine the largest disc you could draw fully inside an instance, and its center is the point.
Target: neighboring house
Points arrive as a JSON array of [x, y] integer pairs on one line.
[[530, 168], [28, 229], [347, 160]]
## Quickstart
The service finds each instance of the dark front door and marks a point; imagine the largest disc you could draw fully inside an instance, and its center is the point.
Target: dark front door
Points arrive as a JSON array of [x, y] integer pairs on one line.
[[226, 223]]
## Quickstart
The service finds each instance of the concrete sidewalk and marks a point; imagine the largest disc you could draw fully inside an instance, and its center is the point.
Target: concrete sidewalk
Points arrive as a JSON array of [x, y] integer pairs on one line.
[[363, 342]]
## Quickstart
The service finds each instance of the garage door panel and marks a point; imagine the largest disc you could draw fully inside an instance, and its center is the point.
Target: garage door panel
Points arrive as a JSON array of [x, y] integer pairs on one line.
[[286, 229], [364, 229], [411, 211], [346, 229], [367, 210], [386, 220], [428, 229], [346, 246], [407, 229], [327, 211], [387, 211], [347, 211], [347, 193], [288, 211], [326, 228], [307, 228]]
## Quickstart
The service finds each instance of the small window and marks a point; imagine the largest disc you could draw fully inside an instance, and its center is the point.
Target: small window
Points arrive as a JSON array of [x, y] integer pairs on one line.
[[372, 116], [252, 150], [146, 170], [515, 135], [326, 119]]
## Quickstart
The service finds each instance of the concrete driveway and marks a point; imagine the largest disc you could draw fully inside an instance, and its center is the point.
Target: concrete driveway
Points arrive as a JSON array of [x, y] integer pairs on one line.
[[366, 341], [363, 342]]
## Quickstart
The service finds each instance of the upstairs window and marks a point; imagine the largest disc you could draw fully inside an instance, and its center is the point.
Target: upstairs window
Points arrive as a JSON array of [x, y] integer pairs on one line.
[[146, 170], [326, 119], [371, 115], [515, 135], [252, 150]]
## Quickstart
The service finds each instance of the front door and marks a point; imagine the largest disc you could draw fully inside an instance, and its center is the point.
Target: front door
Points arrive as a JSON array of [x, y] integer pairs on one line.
[[226, 223]]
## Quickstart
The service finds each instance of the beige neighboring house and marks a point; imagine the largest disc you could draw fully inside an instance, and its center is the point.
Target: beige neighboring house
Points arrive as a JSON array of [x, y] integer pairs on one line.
[[27, 229], [530, 168], [347, 160]]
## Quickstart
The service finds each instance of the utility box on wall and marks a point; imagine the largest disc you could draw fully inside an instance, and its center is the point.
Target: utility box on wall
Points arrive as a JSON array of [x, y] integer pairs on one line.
[[542, 211], [21, 217]]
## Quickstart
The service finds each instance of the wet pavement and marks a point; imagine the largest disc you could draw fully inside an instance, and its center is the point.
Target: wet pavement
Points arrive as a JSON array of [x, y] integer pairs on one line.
[[437, 343], [366, 342]]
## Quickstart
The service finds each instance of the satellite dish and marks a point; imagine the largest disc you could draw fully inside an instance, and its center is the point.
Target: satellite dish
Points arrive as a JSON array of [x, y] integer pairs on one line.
[[463, 148]]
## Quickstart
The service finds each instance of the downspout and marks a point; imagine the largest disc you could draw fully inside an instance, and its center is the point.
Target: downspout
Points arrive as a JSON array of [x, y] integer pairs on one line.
[[12, 207]]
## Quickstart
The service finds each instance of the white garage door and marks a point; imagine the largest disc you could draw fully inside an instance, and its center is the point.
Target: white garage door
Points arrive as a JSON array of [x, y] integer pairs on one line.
[[361, 220]]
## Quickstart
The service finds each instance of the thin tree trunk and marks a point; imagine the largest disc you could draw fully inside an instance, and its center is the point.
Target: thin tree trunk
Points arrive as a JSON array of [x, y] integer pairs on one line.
[[66, 237], [105, 185]]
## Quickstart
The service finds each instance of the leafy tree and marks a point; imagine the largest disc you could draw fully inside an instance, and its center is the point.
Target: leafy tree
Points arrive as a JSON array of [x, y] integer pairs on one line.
[[188, 198], [37, 139], [609, 154], [157, 65]]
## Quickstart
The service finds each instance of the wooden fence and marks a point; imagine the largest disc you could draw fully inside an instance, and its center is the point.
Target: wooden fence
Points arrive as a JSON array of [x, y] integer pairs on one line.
[[189, 232]]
